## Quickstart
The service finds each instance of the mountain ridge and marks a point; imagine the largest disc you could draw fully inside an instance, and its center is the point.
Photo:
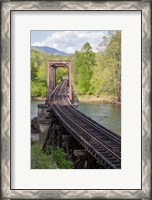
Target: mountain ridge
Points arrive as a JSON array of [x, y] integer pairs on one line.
[[50, 50]]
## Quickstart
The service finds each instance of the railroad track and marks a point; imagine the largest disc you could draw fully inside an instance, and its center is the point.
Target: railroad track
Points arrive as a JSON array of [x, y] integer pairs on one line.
[[101, 143]]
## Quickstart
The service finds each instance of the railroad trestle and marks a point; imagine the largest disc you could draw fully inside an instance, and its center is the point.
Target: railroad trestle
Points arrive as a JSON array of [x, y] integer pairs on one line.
[[85, 142]]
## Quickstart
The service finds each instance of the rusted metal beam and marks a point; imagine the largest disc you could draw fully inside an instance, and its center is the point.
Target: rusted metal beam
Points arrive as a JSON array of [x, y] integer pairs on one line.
[[51, 78]]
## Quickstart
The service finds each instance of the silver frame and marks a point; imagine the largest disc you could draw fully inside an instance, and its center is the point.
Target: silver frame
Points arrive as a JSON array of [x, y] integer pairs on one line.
[[144, 6]]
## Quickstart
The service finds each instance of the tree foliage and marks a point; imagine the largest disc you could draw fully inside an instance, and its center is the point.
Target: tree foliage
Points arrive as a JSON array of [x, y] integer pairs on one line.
[[113, 51], [106, 79], [39, 63], [83, 63], [61, 72], [99, 74]]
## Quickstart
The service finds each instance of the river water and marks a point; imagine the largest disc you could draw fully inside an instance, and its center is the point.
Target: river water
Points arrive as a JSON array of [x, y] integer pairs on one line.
[[108, 115]]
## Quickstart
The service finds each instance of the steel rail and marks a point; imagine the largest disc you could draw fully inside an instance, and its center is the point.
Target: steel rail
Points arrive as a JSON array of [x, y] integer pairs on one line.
[[76, 124], [98, 136], [99, 141], [94, 136], [86, 131], [112, 135], [57, 103]]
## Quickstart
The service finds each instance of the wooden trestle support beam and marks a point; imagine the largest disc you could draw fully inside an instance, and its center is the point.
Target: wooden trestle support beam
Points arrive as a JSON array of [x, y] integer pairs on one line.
[[54, 134]]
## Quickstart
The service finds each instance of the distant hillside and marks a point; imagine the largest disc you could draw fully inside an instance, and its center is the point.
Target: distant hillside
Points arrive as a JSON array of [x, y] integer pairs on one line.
[[50, 50]]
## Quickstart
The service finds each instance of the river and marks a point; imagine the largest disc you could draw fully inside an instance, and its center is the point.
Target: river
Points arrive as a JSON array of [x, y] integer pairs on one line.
[[108, 115]]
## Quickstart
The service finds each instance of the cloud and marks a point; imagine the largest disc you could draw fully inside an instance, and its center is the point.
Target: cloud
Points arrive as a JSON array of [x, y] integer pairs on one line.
[[70, 41]]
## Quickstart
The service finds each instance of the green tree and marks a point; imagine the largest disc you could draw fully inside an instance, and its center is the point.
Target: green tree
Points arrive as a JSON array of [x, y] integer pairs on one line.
[[61, 72], [106, 79], [34, 71], [83, 63], [101, 82], [113, 51], [86, 47]]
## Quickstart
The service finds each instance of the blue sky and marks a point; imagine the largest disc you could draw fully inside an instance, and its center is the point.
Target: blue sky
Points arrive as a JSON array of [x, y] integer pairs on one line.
[[67, 41]]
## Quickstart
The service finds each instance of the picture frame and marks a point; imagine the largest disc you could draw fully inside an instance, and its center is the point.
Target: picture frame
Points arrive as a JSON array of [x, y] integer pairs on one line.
[[7, 7]]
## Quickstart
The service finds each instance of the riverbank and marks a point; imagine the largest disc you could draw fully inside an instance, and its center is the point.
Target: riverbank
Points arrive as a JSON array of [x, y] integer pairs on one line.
[[38, 98], [94, 99], [88, 99]]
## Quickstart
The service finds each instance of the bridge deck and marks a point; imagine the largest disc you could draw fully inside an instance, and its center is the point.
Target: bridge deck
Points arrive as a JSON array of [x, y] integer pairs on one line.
[[101, 143]]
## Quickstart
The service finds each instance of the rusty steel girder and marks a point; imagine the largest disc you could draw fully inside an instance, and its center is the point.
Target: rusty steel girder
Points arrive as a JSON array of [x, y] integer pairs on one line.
[[51, 77]]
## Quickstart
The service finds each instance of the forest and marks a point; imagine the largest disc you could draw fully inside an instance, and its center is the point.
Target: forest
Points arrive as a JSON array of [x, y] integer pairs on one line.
[[96, 74]]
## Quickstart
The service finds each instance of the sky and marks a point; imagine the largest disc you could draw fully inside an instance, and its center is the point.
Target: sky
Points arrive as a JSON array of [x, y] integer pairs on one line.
[[67, 41]]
